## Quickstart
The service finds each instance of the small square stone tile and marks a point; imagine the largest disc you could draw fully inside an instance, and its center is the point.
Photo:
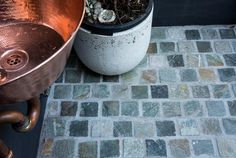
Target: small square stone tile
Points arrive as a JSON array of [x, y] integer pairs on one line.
[[130, 108], [120, 91], [110, 108], [204, 46], [211, 126], [89, 109], [167, 47], [207, 75], [68, 108], [88, 150], [227, 34], [122, 129], [47, 147], [72, 76], [100, 91], [222, 46], [229, 126], [203, 147], [200, 92], [188, 75], [214, 60], [179, 91], [221, 91], [193, 108], [81, 92], [91, 77], [230, 59], [62, 92], [110, 79], [144, 129], [175, 60], [156, 148], [167, 75], [215, 108], [194, 60], [109, 148], [134, 148], [234, 45], [209, 33], [143, 63], [159, 91], [179, 148], [148, 76], [64, 149], [152, 48], [186, 47], [139, 92], [234, 89], [165, 128], [188, 127], [192, 35], [176, 33], [151, 109], [232, 107], [171, 109], [158, 33], [79, 128], [130, 77], [100, 128], [60, 78], [53, 108], [227, 74], [158, 61], [226, 147], [53, 126]]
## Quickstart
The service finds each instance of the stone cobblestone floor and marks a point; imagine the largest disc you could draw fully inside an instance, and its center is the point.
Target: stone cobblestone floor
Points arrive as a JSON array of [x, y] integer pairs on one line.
[[178, 102]]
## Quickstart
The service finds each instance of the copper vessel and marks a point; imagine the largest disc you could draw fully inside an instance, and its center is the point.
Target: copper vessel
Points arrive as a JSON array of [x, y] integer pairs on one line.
[[36, 37]]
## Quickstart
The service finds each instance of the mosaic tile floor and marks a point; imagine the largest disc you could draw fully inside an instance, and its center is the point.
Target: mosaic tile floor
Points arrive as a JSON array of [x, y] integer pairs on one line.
[[179, 102]]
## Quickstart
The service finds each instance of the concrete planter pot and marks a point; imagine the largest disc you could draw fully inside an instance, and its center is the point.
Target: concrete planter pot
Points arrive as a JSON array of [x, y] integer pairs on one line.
[[115, 50]]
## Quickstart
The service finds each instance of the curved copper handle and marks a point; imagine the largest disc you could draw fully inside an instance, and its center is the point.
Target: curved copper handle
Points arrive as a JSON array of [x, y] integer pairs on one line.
[[5, 152]]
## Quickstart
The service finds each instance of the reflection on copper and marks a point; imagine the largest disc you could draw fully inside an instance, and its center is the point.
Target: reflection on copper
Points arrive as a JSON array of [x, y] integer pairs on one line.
[[5, 152]]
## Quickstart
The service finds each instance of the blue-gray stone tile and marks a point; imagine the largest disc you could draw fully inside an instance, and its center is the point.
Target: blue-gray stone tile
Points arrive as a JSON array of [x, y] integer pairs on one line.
[[186, 47], [144, 129], [232, 107], [179, 148], [230, 59], [209, 34], [53, 127], [203, 147], [229, 126], [130, 77], [72, 76], [63, 92], [227, 74], [81, 92], [167, 75], [204, 46], [120, 91], [188, 127], [64, 148], [156, 148], [89, 109], [227, 34], [226, 147], [211, 126], [167, 47], [158, 33], [234, 45], [214, 60], [200, 92], [222, 46], [139, 92], [171, 109], [69, 108], [134, 148], [151, 109], [91, 77], [111, 79], [100, 91], [159, 91], [234, 89], [215, 108], [194, 60], [88, 150], [122, 129], [221, 91], [192, 35], [175, 60], [109, 148], [130, 108], [188, 75], [79, 128], [165, 128], [110, 108], [179, 91], [193, 108]]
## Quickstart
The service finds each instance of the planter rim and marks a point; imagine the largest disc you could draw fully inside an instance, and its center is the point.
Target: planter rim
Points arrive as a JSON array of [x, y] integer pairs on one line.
[[104, 29]]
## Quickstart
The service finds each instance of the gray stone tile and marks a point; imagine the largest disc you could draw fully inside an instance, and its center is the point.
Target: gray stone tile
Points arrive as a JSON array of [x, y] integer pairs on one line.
[[109, 148], [192, 35], [214, 60], [156, 148], [234, 45], [232, 107], [227, 74], [72, 76], [215, 108], [179, 91], [188, 127], [100, 91], [143, 63], [120, 91], [152, 48], [62, 92], [69, 108], [175, 60], [226, 147], [64, 149], [158, 61], [158, 33], [53, 108], [194, 60], [151, 109], [227, 34], [111, 79], [139, 92], [81, 92], [88, 150], [53, 127], [176, 33], [101, 128], [209, 33], [91, 77], [148, 76], [130, 108], [222, 46], [159, 91], [167, 75], [188, 75], [79, 128], [204, 46], [192, 108], [234, 89], [122, 129], [203, 147], [221, 91], [211, 126], [47, 147], [89, 109], [229, 125], [165, 128], [186, 47], [200, 92], [134, 148], [144, 129], [207, 75], [167, 47], [230, 59], [110, 108], [179, 148], [130, 77], [171, 109]]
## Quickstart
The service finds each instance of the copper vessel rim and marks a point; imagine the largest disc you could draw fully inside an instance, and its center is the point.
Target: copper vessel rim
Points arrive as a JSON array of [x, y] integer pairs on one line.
[[55, 54]]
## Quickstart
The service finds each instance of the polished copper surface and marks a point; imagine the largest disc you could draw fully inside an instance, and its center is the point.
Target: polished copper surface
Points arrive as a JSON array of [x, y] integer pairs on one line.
[[5, 152], [36, 37]]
